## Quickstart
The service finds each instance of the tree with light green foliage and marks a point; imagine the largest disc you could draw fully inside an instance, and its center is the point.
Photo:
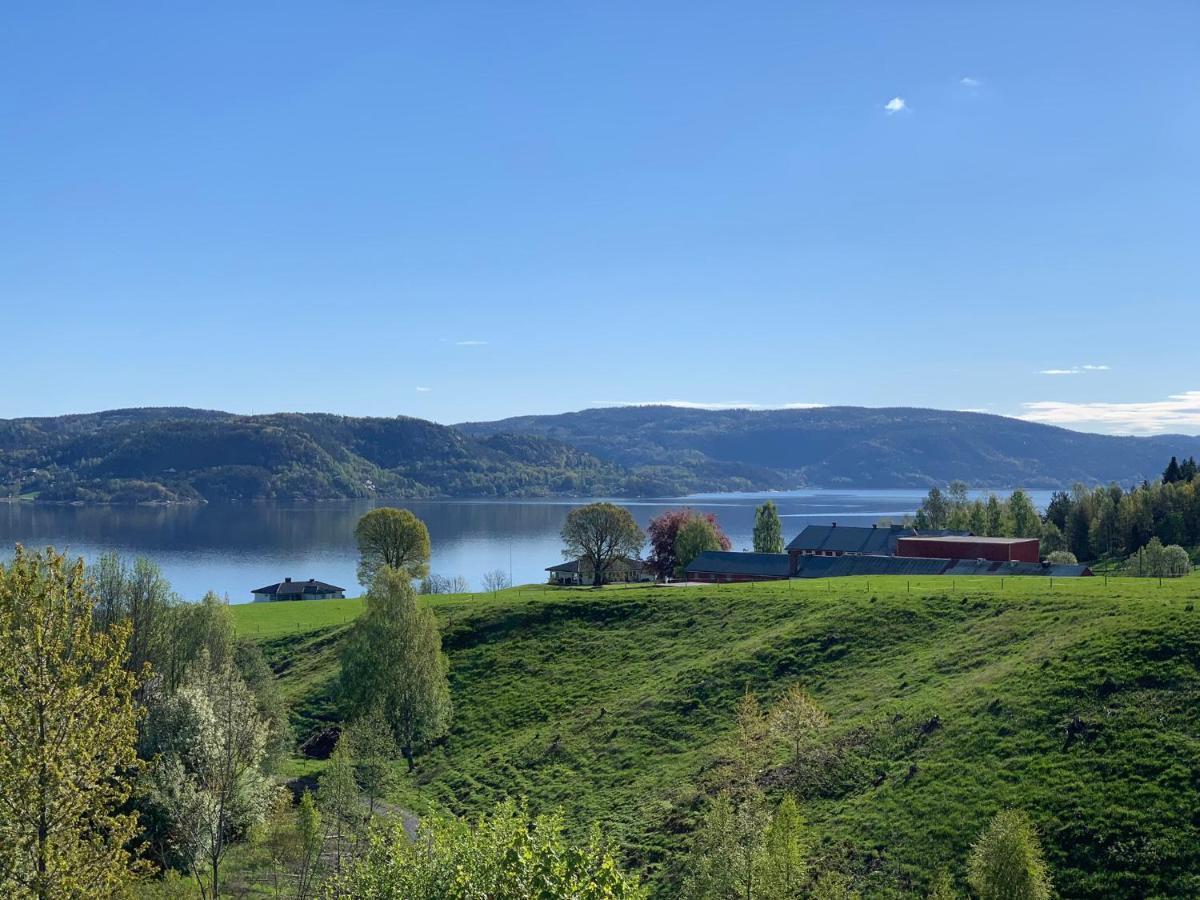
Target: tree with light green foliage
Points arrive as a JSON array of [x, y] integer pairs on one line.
[[339, 801], [392, 661], [942, 887], [598, 535], [768, 529], [795, 717], [206, 782], [727, 855], [783, 865], [1006, 861], [695, 536], [371, 746], [507, 854], [833, 885], [1022, 514], [394, 539], [69, 726], [1061, 558]]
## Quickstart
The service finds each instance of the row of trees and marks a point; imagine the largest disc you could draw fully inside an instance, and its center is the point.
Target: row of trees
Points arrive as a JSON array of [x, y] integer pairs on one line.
[[1090, 523], [601, 534]]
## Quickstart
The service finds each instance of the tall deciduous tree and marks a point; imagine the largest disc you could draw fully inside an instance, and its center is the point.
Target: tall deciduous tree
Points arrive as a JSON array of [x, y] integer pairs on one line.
[[391, 538], [392, 660], [69, 728], [1006, 861], [697, 535], [768, 530], [599, 534], [207, 781], [664, 529]]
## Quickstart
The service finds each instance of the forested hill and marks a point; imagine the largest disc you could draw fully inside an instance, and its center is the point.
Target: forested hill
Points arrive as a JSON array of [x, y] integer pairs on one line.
[[846, 446], [173, 454], [179, 454]]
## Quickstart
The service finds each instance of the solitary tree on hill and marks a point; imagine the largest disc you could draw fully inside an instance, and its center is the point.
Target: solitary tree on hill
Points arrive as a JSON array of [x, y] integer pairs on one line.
[[394, 538], [768, 530], [1006, 862], [599, 534]]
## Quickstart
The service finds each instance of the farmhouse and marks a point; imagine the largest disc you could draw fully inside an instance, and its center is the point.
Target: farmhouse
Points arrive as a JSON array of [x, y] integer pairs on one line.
[[579, 571], [299, 590]]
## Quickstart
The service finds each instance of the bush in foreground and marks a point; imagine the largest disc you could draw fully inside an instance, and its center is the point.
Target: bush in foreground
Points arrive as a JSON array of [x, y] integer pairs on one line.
[[504, 855]]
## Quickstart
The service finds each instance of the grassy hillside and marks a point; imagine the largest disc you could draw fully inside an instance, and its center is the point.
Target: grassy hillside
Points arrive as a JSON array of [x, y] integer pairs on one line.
[[1078, 701]]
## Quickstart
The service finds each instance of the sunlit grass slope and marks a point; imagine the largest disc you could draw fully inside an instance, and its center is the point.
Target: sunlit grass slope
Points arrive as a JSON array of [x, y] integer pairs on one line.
[[1078, 701]]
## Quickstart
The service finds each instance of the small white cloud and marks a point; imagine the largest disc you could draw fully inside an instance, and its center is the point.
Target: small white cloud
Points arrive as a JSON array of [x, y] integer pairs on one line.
[[424, 390], [1178, 413], [470, 343], [1094, 368], [968, 81], [1059, 372], [895, 105]]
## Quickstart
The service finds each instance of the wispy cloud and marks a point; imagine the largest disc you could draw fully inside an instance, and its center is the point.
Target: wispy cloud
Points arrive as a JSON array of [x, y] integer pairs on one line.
[[707, 404], [470, 343], [424, 390], [1074, 370], [969, 82], [1178, 413], [895, 105]]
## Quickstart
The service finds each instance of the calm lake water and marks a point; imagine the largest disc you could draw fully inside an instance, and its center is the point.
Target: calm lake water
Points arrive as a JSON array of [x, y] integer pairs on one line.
[[233, 549]]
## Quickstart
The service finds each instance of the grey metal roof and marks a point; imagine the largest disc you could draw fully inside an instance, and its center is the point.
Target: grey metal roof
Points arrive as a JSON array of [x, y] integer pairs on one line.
[[988, 567], [573, 565], [848, 566], [719, 562], [289, 588], [850, 538]]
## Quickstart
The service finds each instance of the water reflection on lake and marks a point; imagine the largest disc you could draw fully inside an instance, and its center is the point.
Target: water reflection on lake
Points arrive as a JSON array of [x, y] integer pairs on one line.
[[233, 548]]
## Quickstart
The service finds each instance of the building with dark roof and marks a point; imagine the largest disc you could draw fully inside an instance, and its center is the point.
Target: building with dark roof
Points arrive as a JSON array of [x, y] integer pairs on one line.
[[299, 590], [835, 540], [727, 566], [620, 571]]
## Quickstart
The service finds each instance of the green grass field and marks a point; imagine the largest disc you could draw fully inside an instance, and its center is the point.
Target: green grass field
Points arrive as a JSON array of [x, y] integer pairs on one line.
[[950, 698]]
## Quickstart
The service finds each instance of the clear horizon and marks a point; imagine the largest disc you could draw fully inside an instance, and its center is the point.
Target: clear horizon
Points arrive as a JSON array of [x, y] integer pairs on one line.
[[469, 213]]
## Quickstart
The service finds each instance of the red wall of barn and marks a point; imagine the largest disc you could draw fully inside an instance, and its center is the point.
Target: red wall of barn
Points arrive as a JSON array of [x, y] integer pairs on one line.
[[932, 548]]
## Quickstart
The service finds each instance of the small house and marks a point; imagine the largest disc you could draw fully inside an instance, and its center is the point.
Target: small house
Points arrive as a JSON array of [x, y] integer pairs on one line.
[[620, 571], [299, 590]]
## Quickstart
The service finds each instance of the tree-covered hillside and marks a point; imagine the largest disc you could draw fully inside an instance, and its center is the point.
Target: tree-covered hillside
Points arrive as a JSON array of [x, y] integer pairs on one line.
[[847, 446], [189, 455]]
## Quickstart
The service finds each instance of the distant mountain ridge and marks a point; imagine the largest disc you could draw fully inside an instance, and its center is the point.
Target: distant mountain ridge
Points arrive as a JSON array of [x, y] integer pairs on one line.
[[847, 446], [177, 454]]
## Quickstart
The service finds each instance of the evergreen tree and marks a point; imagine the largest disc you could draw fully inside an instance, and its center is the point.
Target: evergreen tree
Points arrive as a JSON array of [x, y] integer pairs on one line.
[[70, 724], [392, 659], [768, 530], [1006, 861], [1172, 473]]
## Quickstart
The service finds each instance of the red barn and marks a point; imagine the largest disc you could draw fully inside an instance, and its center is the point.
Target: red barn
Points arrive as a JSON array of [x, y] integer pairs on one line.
[[996, 549]]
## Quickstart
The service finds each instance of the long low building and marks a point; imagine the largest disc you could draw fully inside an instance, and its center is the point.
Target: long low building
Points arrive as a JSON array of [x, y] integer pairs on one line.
[[995, 549], [729, 567]]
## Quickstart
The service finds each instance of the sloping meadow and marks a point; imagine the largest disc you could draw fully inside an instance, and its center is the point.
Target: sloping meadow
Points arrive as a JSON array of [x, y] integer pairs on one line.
[[949, 699]]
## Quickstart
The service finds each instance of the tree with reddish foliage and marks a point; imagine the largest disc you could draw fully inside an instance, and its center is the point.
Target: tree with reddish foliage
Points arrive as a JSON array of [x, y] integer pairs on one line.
[[662, 531]]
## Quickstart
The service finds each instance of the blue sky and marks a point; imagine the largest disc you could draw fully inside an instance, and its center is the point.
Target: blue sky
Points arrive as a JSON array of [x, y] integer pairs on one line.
[[467, 211]]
